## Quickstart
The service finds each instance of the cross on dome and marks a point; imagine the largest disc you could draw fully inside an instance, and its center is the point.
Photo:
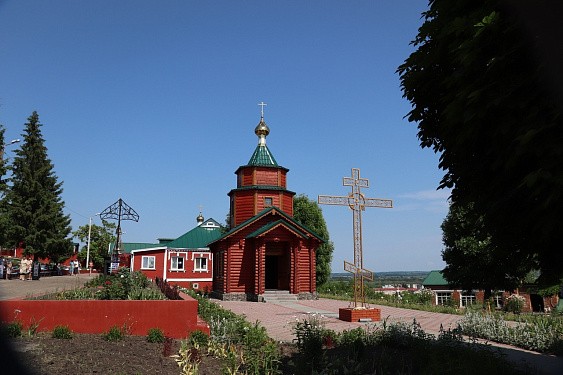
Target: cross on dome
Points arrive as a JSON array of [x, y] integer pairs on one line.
[[262, 104]]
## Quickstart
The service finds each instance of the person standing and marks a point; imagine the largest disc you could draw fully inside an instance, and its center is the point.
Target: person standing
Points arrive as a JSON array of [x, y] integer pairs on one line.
[[29, 268], [9, 269], [23, 268], [71, 269], [1, 267], [76, 267]]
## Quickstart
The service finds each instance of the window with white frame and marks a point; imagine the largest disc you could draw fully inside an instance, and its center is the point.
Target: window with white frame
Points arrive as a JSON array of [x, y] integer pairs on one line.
[[498, 300], [467, 299], [147, 262], [443, 298], [200, 264], [176, 263]]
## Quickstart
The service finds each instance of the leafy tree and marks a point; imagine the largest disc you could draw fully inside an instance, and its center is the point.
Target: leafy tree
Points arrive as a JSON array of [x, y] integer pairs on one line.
[[471, 256], [100, 238], [34, 201], [308, 213], [486, 96]]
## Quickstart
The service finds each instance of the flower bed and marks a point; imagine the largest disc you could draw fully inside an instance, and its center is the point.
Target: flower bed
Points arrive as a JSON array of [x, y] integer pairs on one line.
[[177, 319]]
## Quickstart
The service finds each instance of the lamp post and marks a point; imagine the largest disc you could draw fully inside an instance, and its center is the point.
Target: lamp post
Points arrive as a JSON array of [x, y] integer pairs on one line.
[[88, 247], [2, 147]]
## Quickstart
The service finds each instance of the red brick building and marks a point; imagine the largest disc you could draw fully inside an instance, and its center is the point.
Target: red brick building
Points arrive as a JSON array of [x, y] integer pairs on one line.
[[446, 294]]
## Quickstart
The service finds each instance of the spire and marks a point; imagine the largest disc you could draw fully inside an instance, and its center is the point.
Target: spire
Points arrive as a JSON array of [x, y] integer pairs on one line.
[[262, 155], [262, 129]]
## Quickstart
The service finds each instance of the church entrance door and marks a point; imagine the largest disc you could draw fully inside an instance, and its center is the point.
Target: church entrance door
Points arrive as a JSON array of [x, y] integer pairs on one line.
[[277, 262]]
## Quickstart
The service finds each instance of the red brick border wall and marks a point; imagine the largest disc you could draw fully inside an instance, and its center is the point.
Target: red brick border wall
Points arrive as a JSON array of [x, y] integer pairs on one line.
[[175, 318]]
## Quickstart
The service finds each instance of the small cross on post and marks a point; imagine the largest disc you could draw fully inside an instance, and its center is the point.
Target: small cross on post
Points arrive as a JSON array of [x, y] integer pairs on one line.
[[357, 203]]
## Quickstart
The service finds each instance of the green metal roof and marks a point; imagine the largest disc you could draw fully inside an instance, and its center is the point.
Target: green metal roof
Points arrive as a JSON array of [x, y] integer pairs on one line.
[[274, 224], [196, 238], [264, 212], [127, 247], [435, 278], [262, 157]]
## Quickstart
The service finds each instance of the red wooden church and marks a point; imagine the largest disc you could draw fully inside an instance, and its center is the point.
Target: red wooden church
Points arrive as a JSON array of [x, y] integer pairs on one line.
[[265, 249]]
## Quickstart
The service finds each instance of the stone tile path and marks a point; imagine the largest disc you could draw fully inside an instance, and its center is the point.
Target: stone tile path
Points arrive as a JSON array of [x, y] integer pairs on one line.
[[277, 318]]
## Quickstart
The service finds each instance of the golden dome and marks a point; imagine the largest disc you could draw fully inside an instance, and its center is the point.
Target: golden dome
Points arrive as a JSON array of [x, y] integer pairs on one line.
[[262, 129], [200, 218]]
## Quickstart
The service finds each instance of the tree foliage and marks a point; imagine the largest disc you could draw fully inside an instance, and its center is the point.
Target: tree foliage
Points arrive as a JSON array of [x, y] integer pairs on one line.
[[308, 213], [34, 201], [470, 254], [100, 239], [486, 95]]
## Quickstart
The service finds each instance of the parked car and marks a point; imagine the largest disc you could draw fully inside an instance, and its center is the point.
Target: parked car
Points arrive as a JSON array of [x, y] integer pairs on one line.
[[15, 268]]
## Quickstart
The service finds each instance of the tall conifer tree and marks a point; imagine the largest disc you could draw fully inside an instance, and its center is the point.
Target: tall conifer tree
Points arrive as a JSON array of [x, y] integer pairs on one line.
[[35, 204]]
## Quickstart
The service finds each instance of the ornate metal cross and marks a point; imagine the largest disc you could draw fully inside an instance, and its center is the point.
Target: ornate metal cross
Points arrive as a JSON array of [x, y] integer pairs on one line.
[[119, 211], [357, 203]]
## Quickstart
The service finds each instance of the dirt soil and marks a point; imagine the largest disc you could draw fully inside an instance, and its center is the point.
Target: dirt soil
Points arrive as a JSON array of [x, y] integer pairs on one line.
[[92, 354]]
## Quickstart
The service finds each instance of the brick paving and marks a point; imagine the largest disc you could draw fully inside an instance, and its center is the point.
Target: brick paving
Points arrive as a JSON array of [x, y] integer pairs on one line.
[[278, 317]]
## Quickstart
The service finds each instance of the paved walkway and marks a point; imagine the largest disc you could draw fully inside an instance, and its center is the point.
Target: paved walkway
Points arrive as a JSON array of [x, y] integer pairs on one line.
[[277, 318], [10, 289]]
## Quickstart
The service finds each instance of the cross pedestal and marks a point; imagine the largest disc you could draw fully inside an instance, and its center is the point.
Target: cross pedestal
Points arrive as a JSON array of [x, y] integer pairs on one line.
[[359, 313]]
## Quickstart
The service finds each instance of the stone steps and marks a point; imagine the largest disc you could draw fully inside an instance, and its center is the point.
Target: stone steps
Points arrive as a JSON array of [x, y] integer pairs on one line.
[[278, 296]]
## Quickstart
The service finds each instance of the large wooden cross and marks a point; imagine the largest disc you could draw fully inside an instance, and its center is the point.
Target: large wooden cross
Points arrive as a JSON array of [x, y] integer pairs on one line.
[[357, 203]]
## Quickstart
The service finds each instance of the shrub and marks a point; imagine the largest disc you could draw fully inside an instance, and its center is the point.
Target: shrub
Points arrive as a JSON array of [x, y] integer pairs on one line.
[[539, 333], [13, 329], [62, 332], [155, 335], [115, 333], [198, 339], [514, 303]]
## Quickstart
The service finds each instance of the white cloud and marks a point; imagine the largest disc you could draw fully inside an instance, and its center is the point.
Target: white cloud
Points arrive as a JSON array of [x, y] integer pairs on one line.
[[435, 201], [428, 195]]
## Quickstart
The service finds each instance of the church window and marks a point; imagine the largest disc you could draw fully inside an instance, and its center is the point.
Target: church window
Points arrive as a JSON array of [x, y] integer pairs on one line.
[[176, 263], [200, 264], [268, 202], [147, 262]]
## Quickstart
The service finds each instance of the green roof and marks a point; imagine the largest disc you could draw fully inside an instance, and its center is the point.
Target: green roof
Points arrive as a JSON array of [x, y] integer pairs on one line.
[[197, 238], [435, 278], [274, 224], [127, 247], [262, 157], [288, 219]]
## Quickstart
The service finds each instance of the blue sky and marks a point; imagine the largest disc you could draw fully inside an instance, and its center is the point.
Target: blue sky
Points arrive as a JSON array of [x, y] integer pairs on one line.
[[156, 102]]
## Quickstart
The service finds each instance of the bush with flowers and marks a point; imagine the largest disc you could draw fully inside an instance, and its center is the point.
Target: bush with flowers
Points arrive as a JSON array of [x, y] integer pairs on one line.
[[514, 303]]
